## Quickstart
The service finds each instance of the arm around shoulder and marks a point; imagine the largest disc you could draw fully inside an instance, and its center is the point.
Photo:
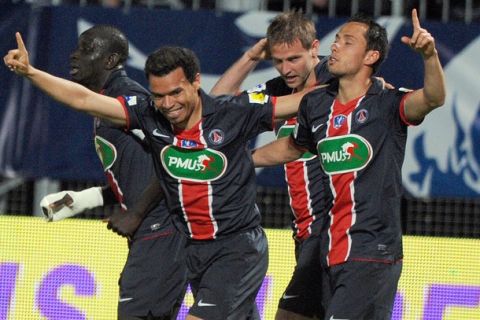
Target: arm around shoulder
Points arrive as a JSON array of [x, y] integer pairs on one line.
[[277, 152]]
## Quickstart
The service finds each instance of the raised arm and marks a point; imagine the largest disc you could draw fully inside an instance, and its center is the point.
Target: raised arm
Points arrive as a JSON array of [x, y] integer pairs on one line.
[[432, 95], [230, 82], [277, 152], [67, 92]]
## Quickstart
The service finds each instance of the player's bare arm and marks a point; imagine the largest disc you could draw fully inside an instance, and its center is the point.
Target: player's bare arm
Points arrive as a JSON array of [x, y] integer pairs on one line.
[[287, 106], [432, 95], [230, 82], [64, 91], [277, 152], [127, 223]]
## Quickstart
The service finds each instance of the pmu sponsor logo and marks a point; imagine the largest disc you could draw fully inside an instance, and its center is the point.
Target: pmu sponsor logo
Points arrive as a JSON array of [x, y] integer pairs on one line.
[[193, 165], [106, 151], [344, 153], [287, 130]]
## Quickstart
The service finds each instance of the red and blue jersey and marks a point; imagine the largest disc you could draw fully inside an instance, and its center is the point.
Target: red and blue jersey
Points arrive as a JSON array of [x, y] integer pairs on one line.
[[360, 146], [304, 177], [207, 172]]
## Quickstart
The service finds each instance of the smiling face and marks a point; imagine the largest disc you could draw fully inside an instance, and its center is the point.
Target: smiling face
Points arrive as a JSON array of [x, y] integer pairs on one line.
[[88, 61], [295, 63], [177, 98], [349, 51]]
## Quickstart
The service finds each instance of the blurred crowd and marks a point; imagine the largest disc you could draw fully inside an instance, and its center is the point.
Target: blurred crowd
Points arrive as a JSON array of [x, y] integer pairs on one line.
[[457, 9]]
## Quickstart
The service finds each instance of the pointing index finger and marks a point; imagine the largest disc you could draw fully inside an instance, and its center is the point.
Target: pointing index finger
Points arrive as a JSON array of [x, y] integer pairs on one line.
[[20, 44], [415, 21]]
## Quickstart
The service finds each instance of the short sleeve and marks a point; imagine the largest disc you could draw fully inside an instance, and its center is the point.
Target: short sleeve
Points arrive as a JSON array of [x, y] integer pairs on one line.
[[134, 107]]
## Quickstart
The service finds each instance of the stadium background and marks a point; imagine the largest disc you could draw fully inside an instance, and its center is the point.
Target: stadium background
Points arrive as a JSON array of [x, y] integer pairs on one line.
[[69, 270]]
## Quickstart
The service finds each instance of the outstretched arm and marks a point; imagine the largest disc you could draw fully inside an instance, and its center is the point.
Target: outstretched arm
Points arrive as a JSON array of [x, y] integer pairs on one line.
[[67, 92], [230, 82], [432, 95], [277, 152]]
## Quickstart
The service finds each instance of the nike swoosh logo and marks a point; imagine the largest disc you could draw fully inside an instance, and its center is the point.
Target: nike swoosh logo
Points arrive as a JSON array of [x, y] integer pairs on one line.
[[286, 296], [315, 128], [333, 318], [124, 299], [205, 304], [158, 134]]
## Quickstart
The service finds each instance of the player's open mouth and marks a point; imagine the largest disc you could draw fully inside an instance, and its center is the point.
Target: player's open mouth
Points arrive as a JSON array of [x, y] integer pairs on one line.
[[173, 113], [290, 79]]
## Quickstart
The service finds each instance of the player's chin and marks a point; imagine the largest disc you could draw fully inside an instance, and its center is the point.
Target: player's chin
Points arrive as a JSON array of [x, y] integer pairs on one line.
[[292, 82]]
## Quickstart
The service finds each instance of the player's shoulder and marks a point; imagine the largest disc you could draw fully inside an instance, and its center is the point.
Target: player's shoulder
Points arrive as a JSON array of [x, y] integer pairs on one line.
[[277, 87], [326, 89], [124, 86], [395, 93]]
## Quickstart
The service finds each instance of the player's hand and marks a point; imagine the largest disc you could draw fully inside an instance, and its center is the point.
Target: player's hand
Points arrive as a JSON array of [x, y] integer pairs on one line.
[[258, 51], [124, 223], [57, 206], [421, 40], [66, 204], [17, 59]]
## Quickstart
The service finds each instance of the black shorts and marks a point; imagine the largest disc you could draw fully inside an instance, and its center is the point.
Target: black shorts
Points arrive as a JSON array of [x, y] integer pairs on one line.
[[226, 274], [303, 293], [361, 290], [154, 278]]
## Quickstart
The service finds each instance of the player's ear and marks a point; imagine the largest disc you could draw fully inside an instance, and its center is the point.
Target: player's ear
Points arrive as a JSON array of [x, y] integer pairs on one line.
[[371, 57], [315, 47], [196, 81], [112, 61]]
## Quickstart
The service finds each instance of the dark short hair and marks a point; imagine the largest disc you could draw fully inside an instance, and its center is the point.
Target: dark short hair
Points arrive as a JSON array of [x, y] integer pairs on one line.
[[115, 40], [167, 59], [376, 37], [289, 26]]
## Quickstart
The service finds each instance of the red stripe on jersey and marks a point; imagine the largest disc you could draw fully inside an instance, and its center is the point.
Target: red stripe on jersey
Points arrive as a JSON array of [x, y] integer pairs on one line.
[[296, 175], [297, 180], [342, 214], [115, 188], [196, 197], [341, 218], [194, 134]]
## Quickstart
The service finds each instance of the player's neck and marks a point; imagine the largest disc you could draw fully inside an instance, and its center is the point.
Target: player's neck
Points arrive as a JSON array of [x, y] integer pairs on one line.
[[100, 83], [352, 86]]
